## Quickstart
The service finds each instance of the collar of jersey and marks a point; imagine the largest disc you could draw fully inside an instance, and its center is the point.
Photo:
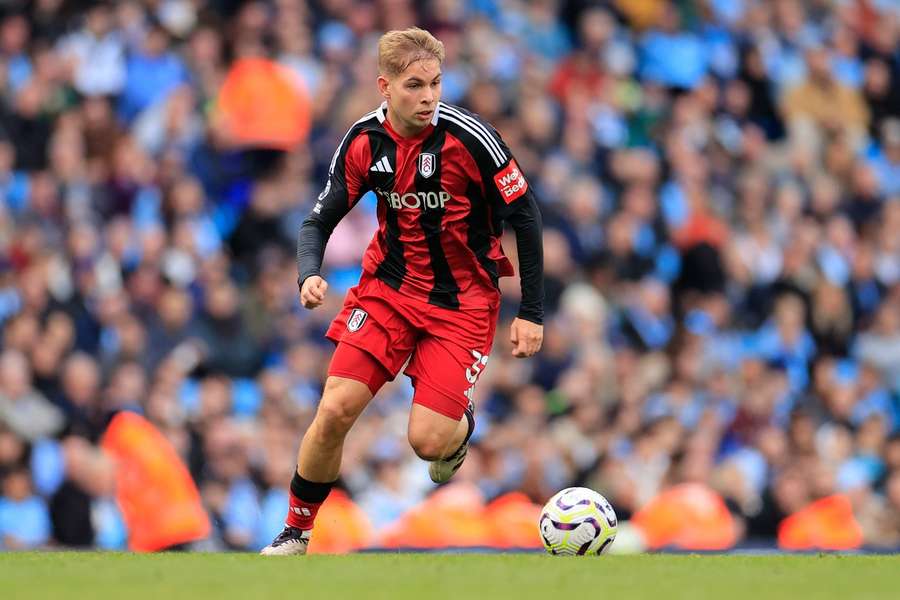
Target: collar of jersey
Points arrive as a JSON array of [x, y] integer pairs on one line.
[[382, 116]]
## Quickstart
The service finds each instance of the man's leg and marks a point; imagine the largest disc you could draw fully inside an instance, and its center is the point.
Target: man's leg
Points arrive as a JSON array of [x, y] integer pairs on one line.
[[439, 437], [319, 456], [445, 367], [354, 377], [434, 436], [440, 425]]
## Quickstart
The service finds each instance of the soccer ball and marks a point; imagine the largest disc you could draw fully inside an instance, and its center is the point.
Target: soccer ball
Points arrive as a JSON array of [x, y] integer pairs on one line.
[[577, 521]]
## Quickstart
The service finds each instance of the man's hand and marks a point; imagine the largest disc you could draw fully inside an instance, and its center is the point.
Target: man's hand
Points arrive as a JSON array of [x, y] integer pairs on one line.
[[312, 293], [526, 337]]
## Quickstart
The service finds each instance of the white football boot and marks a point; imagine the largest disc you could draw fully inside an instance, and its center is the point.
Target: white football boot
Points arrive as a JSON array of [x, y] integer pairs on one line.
[[291, 541], [442, 470]]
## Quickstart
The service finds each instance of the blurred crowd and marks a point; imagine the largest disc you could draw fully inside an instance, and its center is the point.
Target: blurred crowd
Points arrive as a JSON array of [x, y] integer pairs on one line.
[[720, 184]]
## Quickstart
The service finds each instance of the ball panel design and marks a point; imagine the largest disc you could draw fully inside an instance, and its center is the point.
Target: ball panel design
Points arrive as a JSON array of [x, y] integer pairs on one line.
[[577, 521]]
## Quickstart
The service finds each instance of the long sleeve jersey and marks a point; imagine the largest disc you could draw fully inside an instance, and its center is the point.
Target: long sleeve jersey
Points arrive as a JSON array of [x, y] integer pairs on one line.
[[443, 197]]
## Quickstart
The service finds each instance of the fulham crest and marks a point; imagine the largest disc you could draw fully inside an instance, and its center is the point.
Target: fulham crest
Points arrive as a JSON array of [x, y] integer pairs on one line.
[[356, 320], [426, 164]]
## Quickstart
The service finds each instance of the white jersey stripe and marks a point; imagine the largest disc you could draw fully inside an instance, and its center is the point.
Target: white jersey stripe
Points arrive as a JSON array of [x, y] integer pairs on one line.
[[497, 159], [341, 145], [477, 125]]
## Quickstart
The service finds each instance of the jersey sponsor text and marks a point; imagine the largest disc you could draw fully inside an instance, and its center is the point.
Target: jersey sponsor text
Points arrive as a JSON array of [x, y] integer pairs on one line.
[[511, 182], [415, 200]]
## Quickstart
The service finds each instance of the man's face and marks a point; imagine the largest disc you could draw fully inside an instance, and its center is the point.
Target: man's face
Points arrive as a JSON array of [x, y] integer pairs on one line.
[[412, 95], [98, 21]]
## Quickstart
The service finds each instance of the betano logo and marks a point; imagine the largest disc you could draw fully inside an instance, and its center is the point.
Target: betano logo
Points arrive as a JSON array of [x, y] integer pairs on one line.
[[511, 182]]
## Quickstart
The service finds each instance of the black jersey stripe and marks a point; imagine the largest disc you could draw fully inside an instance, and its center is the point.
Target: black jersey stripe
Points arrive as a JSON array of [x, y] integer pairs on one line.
[[341, 150], [445, 290], [481, 223], [478, 237], [392, 269], [466, 120]]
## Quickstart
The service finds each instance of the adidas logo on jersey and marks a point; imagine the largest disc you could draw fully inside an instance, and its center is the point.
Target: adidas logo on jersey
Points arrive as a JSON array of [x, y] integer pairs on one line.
[[382, 166]]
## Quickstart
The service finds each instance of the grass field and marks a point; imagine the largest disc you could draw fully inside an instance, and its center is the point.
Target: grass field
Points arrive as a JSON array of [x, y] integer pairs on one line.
[[456, 576]]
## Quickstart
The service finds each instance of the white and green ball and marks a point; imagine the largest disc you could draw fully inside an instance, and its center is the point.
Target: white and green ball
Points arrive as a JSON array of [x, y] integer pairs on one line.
[[577, 521]]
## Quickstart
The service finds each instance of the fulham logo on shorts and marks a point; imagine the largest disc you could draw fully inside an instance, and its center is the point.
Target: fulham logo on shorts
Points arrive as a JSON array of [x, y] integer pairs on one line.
[[426, 164], [356, 320]]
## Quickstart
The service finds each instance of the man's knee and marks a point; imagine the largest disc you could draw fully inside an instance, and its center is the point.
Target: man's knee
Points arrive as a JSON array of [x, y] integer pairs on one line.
[[428, 439], [430, 432], [342, 402], [428, 447]]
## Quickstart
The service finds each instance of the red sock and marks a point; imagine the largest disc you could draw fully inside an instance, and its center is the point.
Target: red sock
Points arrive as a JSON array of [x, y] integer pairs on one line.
[[305, 499], [302, 514]]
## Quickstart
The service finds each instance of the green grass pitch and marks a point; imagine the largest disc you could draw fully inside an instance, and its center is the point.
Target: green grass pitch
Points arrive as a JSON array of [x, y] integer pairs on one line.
[[452, 576]]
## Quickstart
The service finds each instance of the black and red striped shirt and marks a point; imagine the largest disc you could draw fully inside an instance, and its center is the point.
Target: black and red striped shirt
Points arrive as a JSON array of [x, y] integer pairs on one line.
[[443, 196]]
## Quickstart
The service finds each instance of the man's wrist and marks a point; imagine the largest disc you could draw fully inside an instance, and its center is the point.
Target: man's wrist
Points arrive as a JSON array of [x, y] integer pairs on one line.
[[304, 276], [531, 316]]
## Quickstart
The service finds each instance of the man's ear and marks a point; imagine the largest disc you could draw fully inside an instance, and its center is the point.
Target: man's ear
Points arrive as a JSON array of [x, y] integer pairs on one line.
[[384, 86]]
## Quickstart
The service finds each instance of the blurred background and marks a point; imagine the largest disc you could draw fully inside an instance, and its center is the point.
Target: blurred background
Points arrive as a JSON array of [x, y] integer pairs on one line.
[[720, 185]]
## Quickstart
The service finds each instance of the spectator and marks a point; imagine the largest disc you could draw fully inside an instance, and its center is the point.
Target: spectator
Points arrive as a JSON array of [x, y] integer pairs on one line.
[[22, 409], [826, 103], [24, 522], [95, 54], [673, 55], [152, 73]]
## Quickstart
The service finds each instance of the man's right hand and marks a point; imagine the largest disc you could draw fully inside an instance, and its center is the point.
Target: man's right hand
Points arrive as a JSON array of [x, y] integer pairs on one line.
[[312, 292]]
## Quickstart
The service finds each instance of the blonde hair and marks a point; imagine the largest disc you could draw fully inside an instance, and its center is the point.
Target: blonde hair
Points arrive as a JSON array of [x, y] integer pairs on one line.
[[400, 48]]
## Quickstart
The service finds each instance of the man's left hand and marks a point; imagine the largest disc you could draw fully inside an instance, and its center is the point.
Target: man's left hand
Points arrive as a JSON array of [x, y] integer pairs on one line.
[[526, 337]]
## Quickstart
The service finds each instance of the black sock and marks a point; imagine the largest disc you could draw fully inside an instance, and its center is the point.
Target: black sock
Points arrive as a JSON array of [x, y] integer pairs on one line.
[[310, 491], [470, 417]]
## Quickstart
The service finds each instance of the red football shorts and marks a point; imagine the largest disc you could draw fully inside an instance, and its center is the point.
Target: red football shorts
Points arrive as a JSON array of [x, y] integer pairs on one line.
[[447, 349]]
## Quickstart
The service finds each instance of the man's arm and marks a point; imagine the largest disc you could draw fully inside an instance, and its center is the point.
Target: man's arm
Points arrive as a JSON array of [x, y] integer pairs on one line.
[[527, 332], [526, 222], [512, 201], [344, 188]]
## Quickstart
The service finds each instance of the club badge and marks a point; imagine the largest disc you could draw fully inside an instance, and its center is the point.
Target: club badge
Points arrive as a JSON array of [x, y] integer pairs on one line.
[[356, 320], [426, 164]]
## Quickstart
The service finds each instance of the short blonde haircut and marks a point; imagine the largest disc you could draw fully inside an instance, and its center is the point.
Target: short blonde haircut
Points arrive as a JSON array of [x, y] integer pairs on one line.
[[400, 48]]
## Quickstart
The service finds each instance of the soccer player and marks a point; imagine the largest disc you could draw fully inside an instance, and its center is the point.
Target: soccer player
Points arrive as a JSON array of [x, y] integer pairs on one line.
[[445, 183]]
